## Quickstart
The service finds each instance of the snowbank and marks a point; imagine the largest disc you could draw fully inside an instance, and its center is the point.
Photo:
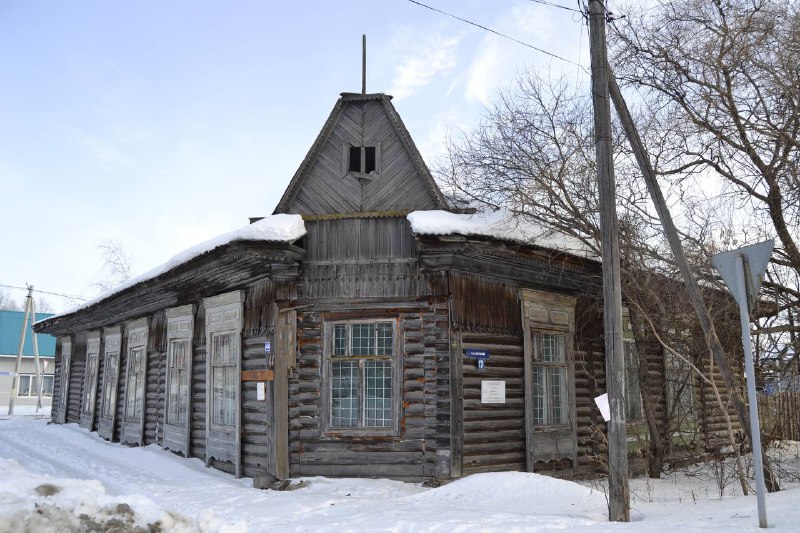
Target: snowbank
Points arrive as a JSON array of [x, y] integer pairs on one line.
[[62, 478], [499, 225]]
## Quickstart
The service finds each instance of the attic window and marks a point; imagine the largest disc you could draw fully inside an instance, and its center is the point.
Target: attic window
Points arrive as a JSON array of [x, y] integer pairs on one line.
[[362, 159]]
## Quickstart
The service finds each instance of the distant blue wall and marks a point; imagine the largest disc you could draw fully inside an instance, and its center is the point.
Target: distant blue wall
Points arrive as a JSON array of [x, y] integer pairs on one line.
[[10, 327]]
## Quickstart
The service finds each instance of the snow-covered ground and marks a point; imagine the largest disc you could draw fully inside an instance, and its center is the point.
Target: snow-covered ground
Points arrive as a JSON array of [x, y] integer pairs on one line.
[[57, 478]]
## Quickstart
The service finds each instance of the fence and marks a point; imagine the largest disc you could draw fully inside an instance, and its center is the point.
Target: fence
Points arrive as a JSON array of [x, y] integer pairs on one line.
[[779, 415]]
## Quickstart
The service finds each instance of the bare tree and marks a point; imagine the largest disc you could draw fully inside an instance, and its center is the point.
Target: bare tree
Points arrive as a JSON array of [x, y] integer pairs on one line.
[[534, 156], [117, 262], [722, 80], [6, 301]]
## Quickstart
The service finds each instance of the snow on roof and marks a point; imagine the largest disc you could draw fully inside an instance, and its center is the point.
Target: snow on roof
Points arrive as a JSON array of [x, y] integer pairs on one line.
[[274, 228], [499, 225]]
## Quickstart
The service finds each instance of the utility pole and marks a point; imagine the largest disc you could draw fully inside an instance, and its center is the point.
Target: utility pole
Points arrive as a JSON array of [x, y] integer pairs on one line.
[[15, 379], [618, 497]]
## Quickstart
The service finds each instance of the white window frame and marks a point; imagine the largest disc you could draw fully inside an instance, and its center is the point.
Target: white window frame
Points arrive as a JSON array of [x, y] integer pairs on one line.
[[31, 378], [344, 354]]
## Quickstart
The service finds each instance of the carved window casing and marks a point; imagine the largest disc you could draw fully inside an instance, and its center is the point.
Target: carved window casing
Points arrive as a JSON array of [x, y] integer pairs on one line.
[[90, 375], [224, 318], [110, 374], [548, 322]]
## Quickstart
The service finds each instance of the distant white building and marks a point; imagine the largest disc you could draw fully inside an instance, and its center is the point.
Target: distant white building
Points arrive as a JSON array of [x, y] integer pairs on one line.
[[28, 389]]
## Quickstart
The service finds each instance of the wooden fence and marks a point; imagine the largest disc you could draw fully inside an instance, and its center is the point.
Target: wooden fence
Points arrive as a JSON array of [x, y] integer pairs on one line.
[[779, 415]]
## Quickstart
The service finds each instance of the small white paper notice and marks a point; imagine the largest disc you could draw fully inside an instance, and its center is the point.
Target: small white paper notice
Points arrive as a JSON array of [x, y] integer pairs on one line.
[[493, 392], [261, 391], [602, 404]]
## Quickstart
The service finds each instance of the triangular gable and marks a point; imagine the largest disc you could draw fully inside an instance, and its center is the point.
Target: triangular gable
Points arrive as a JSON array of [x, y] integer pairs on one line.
[[397, 179]]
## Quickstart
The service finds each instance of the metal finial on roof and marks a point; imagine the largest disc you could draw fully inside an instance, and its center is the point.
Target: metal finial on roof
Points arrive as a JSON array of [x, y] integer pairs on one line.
[[363, 64]]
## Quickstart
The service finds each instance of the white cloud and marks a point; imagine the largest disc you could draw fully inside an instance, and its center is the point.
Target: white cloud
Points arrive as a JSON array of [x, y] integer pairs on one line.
[[497, 60], [427, 59]]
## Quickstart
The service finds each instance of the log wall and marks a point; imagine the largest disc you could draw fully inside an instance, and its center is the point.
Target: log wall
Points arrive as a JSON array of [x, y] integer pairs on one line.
[[421, 448]]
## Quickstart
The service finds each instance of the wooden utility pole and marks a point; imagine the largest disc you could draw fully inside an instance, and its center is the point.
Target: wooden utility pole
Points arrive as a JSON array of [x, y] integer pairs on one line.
[[618, 497], [695, 296]]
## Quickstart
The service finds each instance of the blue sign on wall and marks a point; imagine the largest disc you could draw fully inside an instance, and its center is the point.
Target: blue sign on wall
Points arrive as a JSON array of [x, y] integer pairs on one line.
[[476, 353]]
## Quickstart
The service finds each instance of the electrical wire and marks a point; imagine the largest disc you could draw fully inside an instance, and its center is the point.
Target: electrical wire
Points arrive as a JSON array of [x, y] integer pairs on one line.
[[47, 292], [490, 30], [559, 6]]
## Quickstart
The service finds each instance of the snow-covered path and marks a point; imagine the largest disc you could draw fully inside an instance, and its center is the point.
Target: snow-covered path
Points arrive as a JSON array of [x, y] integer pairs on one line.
[[92, 477]]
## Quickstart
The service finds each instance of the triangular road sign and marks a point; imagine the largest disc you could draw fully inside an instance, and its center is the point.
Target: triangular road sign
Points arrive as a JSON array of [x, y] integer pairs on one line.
[[755, 258]]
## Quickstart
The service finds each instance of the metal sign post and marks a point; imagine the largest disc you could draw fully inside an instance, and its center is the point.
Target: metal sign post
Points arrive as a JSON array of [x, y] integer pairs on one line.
[[743, 270]]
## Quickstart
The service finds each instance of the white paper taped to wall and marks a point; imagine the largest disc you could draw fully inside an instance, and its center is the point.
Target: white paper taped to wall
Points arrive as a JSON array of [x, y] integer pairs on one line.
[[602, 404]]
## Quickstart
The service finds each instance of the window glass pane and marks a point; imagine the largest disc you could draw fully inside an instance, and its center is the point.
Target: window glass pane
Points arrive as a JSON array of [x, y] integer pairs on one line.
[[377, 393], [384, 338], [363, 339], [230, 397], [557, 378], [538, 395], [110, 384], [183, 396], [549, 348], [218, 395], [339, 339], [344, 399], [222, 348], [25, 385], [130, 405], [47, 385]]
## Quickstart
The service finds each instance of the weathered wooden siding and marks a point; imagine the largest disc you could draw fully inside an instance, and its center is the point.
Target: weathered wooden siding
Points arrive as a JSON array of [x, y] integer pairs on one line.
[[76, 373], [494, 434], [360, 258], [421, 449], [327, 187], [155, 383], [197, 438], [257, 420]]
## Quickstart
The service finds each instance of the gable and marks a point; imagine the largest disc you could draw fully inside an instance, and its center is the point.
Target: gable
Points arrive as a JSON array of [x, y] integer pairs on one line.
[[390, 176]]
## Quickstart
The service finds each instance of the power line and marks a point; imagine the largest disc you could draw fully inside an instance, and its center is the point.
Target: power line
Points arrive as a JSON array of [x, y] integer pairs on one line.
[[46, 292], [490, 30], [559, 6]]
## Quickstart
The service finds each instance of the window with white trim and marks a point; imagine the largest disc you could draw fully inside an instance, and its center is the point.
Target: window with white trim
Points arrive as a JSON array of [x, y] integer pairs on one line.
[[178, 386], [361, 372], [551, 380], [135, 386], [28, 385], [224, 371]]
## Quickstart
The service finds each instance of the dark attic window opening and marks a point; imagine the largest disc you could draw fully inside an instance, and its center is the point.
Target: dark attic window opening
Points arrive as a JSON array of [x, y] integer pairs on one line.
[[362, 159], [369, 159]]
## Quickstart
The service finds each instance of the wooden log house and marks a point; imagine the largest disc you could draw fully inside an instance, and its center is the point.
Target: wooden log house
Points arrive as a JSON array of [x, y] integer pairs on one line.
[[365, 343]]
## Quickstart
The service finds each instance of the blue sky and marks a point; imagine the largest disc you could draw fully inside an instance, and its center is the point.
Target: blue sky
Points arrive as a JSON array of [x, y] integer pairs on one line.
[[163, 124]]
